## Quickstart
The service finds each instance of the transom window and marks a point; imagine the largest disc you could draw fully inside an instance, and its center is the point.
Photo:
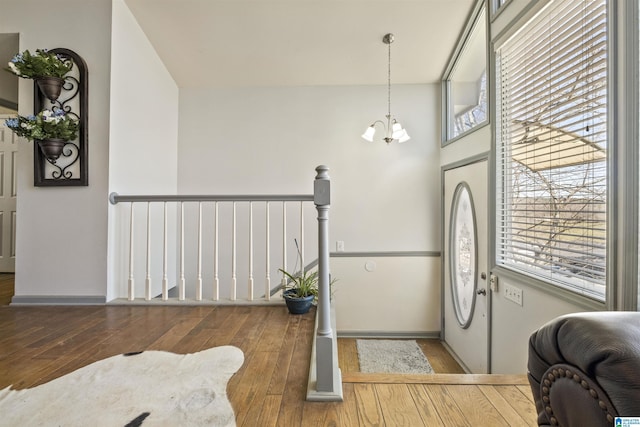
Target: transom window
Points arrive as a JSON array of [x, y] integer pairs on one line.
[[552, 147], [465, 79]]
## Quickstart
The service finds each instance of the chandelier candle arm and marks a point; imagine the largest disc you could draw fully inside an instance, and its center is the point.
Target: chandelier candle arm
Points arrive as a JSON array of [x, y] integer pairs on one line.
[[392, 128]]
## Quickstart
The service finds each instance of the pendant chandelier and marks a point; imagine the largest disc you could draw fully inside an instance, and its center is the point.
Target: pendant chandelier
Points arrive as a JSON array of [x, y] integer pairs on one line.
[[392, 128]]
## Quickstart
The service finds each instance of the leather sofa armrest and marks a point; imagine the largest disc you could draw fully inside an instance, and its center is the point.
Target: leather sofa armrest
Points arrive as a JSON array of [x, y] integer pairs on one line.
[[601, 350]]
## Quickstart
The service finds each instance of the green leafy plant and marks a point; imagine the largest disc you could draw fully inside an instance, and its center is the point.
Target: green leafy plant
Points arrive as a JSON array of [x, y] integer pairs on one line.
[[40, 64], [302, 284], [46, 124]]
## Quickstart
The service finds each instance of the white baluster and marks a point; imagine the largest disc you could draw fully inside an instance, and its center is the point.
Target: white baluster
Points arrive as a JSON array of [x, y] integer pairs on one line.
[[165, 280], [267, 283], [216, 280], [147, 282], [132, 293], [181, 286], [301, 249], [233, 254], [284, 243], [250, 296], [199, 280]]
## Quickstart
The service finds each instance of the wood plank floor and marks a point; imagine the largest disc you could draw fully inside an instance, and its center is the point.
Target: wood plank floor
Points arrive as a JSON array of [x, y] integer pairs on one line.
[[38, 344], [6, 288]]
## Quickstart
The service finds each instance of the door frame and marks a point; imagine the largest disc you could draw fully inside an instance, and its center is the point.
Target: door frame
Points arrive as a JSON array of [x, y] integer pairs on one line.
[[11, 233], [444, 234]]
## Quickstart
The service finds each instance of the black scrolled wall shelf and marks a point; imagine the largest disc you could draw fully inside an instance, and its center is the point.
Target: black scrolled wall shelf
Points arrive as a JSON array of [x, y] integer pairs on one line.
[[71, 169]]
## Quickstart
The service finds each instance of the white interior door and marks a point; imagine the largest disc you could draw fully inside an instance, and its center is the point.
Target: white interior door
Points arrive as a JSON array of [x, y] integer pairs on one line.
[[8, 153], [466, 288]]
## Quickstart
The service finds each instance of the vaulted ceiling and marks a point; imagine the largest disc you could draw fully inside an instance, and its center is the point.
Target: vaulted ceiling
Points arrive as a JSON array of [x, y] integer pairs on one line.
[[236, 43]]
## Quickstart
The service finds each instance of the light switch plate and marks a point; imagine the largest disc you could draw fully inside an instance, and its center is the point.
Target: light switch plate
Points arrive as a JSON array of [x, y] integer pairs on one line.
[[513, 294]]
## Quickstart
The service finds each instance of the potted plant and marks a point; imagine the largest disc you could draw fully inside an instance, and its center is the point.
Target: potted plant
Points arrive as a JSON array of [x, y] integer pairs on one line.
[[301, 291], [50, 129], [46, 68]]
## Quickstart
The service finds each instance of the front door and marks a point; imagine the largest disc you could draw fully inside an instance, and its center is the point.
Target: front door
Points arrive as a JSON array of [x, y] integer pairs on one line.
[[8, 153], [466, 291]]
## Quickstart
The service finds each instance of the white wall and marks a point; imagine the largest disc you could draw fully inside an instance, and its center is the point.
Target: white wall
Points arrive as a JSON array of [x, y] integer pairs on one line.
[[61, 246], [143, 132], [512, 324], [269, 140], [387, 295], [144, 112]]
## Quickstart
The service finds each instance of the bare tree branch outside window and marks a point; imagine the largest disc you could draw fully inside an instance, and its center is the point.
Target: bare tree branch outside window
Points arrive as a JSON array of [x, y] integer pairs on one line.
[[552, 126]]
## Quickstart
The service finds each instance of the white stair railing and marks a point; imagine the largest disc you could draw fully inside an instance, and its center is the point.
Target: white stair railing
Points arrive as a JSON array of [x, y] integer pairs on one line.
[[192, 263], [200, 247], [325, 382]]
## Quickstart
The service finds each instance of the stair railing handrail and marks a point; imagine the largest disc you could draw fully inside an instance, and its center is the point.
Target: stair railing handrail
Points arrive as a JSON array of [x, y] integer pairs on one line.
[[116, 198]]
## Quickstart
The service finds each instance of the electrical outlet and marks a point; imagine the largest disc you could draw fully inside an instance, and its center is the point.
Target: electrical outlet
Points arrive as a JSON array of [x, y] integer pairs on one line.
[[513, 294], [340, 246]]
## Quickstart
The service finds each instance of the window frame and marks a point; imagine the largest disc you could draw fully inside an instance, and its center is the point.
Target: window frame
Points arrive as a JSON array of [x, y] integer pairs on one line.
[[631, 117], [543, 284], [497, 8], [471, 23]]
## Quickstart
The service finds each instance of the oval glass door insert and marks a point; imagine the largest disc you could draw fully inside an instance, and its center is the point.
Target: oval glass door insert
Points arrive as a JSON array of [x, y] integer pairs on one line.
[[463, 254]]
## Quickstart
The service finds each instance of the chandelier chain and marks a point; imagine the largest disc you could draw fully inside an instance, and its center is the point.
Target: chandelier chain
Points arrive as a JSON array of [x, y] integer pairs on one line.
[[393, 129], [389, 83]]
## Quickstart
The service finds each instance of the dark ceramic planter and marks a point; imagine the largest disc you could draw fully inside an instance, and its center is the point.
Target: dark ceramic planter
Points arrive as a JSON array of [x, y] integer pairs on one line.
[[50, 86], [297, 305], [51, 148]]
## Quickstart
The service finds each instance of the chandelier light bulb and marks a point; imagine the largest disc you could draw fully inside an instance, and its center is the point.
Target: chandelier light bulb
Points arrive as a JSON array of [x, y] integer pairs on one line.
[[404, 137], [369, 133], [396, 130]]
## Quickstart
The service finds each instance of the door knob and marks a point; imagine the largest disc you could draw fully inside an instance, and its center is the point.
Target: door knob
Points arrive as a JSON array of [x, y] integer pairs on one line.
[[482, 291], [483, 275]]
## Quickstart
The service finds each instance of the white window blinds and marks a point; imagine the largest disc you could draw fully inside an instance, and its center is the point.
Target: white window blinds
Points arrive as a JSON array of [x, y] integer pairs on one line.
[[552, 147]]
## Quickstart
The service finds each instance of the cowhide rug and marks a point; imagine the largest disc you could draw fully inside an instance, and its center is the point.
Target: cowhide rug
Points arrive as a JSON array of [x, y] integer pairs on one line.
[[152, 388]]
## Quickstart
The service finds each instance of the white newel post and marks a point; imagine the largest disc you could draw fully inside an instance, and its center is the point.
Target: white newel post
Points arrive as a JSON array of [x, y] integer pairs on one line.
[[322, 199], [328, 378]]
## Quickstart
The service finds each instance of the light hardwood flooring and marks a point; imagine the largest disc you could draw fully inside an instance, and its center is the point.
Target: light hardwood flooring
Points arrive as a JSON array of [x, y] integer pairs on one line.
[[38, 344]]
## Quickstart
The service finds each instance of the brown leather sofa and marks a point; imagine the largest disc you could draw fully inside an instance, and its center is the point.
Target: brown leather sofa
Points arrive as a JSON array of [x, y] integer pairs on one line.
[[584, 369]]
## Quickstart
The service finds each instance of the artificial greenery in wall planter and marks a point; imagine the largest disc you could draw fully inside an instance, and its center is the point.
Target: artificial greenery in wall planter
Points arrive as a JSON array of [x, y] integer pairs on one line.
[[51, 130], [60, 121], [46, 68]]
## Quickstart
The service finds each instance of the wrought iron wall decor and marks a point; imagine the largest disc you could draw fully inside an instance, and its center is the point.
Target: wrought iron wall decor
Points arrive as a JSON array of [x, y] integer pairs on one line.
[[71, 168]]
